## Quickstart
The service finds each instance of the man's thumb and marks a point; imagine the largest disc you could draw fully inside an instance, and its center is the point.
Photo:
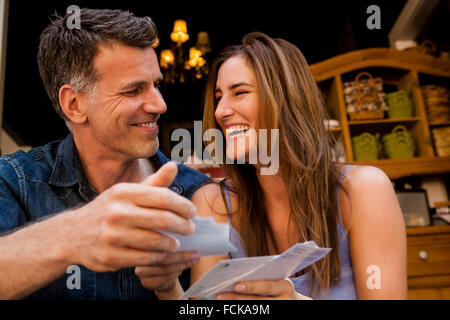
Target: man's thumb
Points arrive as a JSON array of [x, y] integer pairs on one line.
[[163, 177]]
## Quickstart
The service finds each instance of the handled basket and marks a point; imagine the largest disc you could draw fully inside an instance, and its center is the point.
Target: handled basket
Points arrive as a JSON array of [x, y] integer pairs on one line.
[[427, 47], [366, 147], [399, 144], [399, 104], [365, 97], [441, 138], [437, 103]]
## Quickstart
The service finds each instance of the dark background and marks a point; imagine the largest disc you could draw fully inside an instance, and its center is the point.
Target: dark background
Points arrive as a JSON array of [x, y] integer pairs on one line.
[[321, 29]]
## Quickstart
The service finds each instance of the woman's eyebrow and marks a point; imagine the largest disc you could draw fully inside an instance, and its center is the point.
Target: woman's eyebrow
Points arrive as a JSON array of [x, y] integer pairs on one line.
[[234, 86]]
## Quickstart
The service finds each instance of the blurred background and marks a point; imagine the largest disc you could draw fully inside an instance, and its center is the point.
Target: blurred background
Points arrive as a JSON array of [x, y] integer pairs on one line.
[[321, 29]]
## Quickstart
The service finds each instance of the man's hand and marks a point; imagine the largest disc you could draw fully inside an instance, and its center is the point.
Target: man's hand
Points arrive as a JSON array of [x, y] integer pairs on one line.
[[117, 229], [162, 277]]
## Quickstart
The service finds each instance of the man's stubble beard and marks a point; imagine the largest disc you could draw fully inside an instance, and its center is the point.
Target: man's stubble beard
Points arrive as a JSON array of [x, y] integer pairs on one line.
[[137, 150], [129, 147]]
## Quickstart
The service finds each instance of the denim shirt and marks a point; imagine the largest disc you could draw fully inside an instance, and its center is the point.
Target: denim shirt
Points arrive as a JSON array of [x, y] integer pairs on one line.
[[48, 180]]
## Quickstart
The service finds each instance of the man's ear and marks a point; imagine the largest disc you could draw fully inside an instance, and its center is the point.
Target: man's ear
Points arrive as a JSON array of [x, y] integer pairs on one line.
[[70, 102]]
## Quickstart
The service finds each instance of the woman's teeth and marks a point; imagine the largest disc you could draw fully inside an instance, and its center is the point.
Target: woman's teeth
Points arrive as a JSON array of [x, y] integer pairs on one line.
[[147, 124], [236, 131]]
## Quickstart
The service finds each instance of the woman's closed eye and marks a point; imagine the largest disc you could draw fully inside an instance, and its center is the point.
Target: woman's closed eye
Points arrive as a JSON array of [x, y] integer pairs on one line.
[[241, 93], [236, 94]]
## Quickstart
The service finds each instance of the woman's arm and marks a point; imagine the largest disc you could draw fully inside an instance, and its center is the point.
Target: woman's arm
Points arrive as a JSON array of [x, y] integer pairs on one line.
[[209, 203], [377, 234]]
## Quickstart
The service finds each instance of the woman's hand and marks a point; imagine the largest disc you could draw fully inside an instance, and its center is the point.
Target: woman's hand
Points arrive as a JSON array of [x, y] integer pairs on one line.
[[263, 290]]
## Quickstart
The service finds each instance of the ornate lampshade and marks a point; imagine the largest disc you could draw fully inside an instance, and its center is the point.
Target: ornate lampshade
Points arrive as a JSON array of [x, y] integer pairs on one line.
[[203, 43], [179, 33]]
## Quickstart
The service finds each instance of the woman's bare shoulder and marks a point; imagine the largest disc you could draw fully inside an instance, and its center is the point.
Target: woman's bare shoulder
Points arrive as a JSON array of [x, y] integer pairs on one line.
[[359, 176], [211, 200], [362, 183]]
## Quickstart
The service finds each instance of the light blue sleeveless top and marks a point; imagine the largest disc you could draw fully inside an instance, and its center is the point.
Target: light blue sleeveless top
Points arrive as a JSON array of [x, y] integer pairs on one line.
[[344, 290]]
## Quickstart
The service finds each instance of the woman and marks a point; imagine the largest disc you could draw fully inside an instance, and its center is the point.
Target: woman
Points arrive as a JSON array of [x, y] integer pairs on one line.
[[265, 83]]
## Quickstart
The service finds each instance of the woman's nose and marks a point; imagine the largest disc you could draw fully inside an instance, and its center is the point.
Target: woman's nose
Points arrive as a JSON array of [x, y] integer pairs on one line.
[[223, 110]]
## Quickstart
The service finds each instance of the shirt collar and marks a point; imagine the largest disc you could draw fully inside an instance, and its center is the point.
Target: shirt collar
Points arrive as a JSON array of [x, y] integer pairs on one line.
[[68, 171], [65, 173]]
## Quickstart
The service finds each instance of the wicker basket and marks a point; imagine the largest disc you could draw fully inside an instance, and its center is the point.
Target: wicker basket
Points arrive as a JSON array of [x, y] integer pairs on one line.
[[437, 103], [366, 115], [442, 141], [427, 47], [365, 98]]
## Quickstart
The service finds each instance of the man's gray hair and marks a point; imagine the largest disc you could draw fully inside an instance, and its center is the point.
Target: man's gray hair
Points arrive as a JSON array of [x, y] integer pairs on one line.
[[66, 55]]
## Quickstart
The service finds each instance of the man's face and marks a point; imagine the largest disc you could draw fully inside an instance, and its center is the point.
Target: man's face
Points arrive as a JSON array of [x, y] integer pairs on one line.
[[126, 103]]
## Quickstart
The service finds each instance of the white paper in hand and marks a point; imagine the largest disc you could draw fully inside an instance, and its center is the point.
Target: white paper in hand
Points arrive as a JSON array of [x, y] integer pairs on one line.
[[210, 238], [224, 275]]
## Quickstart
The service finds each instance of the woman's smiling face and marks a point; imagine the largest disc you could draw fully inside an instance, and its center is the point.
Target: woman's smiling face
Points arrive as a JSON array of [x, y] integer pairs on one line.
[[237, 107]]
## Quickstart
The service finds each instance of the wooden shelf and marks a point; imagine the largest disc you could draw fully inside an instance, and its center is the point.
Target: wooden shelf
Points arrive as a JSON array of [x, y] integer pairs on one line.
[[381, 121], [427, 230], [380, 57], [438, 124], [397, 168], [335, 129], [441, 204], [400, 70]]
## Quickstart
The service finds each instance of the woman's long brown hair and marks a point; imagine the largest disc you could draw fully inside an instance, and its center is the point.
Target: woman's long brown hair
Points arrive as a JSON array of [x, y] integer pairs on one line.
[[291, 102]]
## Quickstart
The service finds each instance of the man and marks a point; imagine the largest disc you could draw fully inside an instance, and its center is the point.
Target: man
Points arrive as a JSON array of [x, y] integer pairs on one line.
[[78, 217]]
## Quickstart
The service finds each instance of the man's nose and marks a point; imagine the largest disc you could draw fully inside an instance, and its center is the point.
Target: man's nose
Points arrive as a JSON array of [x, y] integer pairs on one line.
[[153, 102]]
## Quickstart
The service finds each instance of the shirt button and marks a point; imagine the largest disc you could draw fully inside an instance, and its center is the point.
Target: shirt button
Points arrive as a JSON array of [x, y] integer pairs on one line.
[[176, 189]]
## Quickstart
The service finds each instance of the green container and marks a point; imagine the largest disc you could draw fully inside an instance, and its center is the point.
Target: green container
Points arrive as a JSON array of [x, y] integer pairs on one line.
[[399, 144], [399, 104], [366, 147]]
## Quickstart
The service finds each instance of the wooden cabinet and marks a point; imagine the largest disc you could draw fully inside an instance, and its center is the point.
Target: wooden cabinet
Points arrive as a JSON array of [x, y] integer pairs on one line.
[[429, 262], [428, 247], [399, 70]]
